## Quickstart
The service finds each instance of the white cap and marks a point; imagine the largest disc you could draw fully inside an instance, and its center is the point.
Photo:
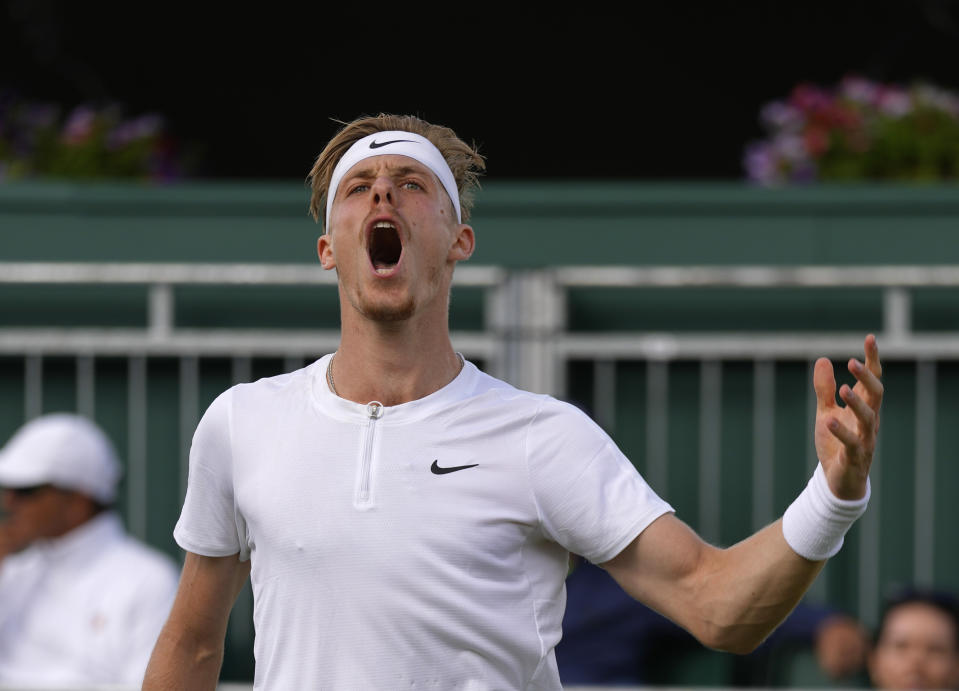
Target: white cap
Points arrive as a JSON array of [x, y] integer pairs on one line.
[[64, 450]]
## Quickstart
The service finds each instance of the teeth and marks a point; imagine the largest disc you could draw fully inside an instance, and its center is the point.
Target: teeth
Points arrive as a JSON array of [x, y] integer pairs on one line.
[[384, 224]]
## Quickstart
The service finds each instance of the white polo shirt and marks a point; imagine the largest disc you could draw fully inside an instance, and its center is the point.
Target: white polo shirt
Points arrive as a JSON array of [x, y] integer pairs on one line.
[[423, 545], [85, 608]]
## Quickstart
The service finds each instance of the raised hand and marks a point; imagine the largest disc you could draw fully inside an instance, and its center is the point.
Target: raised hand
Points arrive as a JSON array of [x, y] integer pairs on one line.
[[846, 435]]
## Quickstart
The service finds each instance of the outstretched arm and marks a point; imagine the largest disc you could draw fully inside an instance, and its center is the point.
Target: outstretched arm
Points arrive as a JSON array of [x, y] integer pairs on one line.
[[189, 651], [732, 598]]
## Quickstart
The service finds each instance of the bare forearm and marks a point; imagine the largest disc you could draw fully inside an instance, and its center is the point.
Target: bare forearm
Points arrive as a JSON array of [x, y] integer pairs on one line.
[[189, 651], [179, 664], [752, 587], [729, 599]]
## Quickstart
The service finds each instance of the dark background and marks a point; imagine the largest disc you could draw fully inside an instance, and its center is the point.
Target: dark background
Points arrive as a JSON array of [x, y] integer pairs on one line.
[[652, 90]]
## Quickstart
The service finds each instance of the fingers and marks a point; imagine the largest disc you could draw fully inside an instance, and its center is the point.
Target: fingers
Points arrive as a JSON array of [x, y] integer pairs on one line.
[[848, 438], [824, 382], [862, 410], [872, 355], [868, 375]]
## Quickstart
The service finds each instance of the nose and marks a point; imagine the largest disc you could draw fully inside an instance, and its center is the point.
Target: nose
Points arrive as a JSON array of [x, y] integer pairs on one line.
[[383, 190]]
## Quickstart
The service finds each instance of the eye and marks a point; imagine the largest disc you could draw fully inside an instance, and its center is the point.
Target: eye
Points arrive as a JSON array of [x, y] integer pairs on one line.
[[361, 187], [412, 185]]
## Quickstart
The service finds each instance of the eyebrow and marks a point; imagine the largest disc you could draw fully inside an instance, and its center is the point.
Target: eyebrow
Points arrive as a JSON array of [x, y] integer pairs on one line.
[[398, 171], [393, 170]]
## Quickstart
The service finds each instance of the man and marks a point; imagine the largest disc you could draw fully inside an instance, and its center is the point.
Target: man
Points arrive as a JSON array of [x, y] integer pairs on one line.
[[407, 519], [917, 643], [81, 602]]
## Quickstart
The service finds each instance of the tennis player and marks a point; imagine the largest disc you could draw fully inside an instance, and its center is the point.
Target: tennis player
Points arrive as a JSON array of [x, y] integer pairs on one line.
[[406, 519]]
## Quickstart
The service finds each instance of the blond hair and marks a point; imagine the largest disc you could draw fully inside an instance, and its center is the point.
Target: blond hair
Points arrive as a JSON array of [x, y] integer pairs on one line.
[[464, 160]]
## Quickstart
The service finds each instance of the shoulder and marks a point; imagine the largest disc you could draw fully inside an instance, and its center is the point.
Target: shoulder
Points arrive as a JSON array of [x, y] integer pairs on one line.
[[256, 397], [536, 405], [549, 423], [277, 385]]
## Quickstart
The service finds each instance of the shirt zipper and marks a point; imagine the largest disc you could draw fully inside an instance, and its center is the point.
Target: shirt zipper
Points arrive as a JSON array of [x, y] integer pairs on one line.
[[374, 410]]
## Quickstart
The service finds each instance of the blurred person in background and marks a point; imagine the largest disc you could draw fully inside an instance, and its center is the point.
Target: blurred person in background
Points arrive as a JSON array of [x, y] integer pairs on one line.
[[917, 642], [81, 601]]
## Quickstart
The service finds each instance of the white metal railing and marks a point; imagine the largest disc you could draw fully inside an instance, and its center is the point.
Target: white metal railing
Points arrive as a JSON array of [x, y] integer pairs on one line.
[[525, 332], [524, 340], [161, 337]]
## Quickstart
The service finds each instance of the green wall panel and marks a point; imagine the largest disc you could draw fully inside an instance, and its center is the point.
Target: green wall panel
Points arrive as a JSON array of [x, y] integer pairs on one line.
[[682, 489], [897, 474], [947, 477], [736, 452], [163, 452], [11, 395], [59, 385]]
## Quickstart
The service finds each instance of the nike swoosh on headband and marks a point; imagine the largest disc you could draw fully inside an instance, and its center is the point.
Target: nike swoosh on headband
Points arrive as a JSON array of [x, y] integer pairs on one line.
[[376, 145]]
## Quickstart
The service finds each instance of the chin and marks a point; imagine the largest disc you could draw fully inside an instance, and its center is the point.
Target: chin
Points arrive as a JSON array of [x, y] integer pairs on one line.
[[390, 312]]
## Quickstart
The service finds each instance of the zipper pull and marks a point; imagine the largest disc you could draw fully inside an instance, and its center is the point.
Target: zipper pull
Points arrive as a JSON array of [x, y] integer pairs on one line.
[[374, 409]]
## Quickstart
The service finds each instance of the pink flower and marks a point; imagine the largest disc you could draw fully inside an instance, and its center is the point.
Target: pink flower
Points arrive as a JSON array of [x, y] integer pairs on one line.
[[809, 98], [894, 101], [79, 125]]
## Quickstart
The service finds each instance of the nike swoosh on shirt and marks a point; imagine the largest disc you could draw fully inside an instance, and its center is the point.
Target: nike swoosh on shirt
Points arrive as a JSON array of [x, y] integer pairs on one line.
[[437, 470], [376, 145]]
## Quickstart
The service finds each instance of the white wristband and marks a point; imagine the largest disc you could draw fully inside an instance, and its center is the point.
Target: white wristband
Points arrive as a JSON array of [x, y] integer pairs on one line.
[[816, 522]]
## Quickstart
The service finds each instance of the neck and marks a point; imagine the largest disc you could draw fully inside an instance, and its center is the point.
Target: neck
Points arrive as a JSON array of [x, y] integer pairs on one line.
[[393, 365]]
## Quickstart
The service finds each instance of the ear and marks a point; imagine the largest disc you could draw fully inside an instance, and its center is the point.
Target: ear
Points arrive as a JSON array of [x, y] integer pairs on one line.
[[464, 242], [324, 250]]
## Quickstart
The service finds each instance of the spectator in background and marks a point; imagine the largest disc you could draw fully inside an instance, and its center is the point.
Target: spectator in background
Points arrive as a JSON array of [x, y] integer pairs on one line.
[[611, 638], [81, 602], [917, 642]]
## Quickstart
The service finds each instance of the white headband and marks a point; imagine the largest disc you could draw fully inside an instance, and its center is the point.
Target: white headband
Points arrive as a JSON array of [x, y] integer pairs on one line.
[[394, 142]]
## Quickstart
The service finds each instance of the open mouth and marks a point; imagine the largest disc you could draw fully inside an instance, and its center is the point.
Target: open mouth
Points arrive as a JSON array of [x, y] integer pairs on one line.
[[385, 247]]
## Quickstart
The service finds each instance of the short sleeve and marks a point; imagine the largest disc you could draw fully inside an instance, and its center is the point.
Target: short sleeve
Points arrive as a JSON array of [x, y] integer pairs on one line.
[[208, 523], [591, 499]]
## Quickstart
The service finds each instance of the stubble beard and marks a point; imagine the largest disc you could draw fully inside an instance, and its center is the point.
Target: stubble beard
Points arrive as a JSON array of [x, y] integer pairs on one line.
[[387, 310], [380, 312]]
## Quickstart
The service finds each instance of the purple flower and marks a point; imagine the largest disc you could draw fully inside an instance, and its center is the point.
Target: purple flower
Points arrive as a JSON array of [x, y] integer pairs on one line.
[[760, 163], [790, 148], [778, 115], [79, 125], [138, 129], [859, 90]]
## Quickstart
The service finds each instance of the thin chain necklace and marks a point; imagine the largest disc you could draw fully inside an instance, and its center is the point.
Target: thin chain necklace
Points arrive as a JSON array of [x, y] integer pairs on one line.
[[329, 375], [332, 385]]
